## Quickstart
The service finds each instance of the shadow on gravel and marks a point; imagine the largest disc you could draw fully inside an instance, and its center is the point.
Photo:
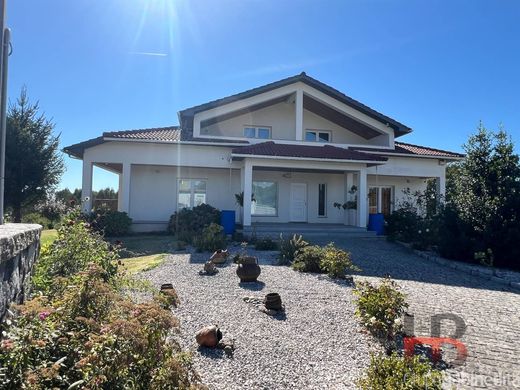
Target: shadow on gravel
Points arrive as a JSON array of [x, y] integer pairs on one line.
[[252, 286], [212, 353], [380, 258]]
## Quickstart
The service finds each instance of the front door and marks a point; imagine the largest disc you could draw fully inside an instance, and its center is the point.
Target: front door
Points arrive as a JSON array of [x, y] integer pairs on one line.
[[298, 202]]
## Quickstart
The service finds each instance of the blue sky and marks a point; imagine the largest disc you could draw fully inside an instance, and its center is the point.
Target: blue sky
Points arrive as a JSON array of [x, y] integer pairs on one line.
[[437, 66]]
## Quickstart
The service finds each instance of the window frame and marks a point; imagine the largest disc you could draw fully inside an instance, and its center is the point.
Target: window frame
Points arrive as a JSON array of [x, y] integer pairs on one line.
[[317, 133], [379, 198], [257, 128], [192, 191], [276, 198], [324, 215]]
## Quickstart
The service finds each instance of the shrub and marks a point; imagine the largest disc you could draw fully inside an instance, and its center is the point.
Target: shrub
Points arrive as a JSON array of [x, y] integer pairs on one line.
[[187, 223], [75, 246], [308, 259], [265, 244], [400, 373], [290, 248], [335, 262], [380, 308], [92, 337], [109, 222], [39, 219], [211, 239]]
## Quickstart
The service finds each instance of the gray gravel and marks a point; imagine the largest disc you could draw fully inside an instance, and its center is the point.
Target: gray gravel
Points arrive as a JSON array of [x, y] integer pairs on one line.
[[318, 344]]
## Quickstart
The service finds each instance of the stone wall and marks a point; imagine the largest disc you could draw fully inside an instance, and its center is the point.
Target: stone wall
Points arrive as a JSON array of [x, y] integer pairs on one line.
[[19, 247]]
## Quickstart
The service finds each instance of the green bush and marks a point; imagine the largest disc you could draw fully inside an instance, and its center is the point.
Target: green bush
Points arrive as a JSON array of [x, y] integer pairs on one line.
[[75, 246], [39, 219], [211, 239], [290, 248], [109, 222], [92, 337], [335, 262], [400, 373], [187, 223], [265, 244], [380, 308], [308, 259]]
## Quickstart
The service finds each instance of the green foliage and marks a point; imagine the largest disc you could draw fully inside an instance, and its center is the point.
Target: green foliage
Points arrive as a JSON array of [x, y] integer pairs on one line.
[[239, 198], [187, 223], [91, 336], [35, 217], [75, 247], [111, 223], [335, 262], [400, 373], [33, 165], [265, 244], [381, 307], [308, 259], [69, 198], [290, 248], [211, 239]]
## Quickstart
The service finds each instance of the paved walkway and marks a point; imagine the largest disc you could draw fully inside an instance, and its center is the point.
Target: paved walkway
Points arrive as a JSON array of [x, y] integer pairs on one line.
[[490, 311]]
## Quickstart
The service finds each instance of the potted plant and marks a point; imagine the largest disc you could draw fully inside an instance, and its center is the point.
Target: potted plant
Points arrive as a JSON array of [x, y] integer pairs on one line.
[[239, 199]]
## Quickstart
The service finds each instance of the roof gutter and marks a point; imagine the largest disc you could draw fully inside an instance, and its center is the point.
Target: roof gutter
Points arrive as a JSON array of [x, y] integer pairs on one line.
[[306, 159]]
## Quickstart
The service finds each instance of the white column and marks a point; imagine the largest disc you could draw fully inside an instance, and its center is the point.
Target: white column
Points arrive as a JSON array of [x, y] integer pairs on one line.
[[362, 198], [247, 180], [349, 182], [86, 187], [441, 186], [125, 188], [120, 192], [299, 114]]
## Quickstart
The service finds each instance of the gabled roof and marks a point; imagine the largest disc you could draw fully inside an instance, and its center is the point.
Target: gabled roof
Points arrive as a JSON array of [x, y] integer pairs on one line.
[[402, 148], [186, 115], [155, 134], [325, 152]]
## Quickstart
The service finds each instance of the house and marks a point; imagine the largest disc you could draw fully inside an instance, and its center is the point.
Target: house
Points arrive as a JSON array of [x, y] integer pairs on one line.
[[298, 146]]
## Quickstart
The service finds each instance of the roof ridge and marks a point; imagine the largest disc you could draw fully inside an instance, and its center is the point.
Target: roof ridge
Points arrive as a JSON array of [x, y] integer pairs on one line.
[[148, 129]]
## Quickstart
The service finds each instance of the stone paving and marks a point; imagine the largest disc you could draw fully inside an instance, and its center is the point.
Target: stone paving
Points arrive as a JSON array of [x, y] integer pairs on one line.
[[490, 311]]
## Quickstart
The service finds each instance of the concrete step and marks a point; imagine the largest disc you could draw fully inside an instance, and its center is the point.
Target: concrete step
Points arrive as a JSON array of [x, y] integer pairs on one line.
[[317, 230]]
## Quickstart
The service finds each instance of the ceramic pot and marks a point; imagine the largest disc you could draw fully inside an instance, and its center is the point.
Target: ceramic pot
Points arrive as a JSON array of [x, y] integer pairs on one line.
[[272, 301], [209, 336], [219, 257], [166, 286], [248, 269]]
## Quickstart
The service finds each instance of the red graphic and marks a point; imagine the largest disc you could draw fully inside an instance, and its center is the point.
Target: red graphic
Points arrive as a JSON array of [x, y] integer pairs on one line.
[[436, 343]]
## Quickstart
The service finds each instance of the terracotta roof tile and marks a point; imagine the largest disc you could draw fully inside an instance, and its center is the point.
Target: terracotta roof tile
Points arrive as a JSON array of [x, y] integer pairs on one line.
[[413, 150], [326, 152]]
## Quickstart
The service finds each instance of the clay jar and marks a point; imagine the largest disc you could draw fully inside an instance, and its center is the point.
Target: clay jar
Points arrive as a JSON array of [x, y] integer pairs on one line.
[[272, 301], [219, 257], [208, 336], [248, 269]]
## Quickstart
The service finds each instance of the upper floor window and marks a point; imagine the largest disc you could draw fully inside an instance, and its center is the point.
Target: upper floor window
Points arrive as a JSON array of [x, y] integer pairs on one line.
[[317, 136], [261, 132]]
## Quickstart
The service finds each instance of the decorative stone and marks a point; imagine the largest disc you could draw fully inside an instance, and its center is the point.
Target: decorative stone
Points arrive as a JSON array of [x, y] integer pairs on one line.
[[248, 269], [209, 336], [209, 268], [219, 257]]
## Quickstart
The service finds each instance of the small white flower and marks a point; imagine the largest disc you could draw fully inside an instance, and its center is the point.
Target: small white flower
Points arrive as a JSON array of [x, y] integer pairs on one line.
[[398, 322], [427, 230], [373, 320], [420, 232]]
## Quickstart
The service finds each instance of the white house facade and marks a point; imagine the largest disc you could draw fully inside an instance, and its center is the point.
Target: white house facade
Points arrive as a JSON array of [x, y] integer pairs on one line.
[[294, 148]]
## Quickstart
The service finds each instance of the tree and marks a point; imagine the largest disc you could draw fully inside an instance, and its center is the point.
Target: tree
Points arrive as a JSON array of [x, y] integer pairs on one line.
[[485, 194], [33, 161], [68, 197]]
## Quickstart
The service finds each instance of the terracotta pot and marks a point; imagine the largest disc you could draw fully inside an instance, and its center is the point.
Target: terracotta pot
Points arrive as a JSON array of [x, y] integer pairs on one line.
[[219, 257], [166, 286], [248, 269], [273, 301], [208, 336]]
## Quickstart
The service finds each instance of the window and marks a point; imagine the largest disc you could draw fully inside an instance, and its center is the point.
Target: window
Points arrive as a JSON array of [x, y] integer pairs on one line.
[[257, 132], [317, 136], [191, 193], [322, 200], [266, 198], [380, 200]]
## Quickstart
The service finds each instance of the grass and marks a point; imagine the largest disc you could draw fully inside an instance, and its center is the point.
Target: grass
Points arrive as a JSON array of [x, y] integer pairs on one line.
[[138, 264], [145, 245], [48, 236]]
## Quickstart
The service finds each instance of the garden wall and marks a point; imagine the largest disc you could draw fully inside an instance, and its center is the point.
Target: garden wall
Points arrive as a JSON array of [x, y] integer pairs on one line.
[[19, 247]]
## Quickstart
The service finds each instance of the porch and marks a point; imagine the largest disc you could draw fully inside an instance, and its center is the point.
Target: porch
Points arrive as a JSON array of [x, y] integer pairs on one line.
[[273, 230]]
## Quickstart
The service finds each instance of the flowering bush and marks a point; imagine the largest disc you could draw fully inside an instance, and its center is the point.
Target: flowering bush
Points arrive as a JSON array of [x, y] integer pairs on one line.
[[396, 372], [75, 247], [289, 249], [109, 222], [91, 336], [187, 223], [328, 259], [381, 308], [308, 259]]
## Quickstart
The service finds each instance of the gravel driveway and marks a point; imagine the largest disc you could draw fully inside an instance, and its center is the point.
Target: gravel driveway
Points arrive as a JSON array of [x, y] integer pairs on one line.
[[318, 345]]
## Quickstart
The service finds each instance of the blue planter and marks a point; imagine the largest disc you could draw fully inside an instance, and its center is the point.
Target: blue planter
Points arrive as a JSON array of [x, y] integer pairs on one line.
[[227, 220], [376, 223]]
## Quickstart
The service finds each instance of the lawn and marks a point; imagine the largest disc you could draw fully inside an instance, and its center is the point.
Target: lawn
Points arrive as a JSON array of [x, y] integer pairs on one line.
[[48, 236], [134, 265]]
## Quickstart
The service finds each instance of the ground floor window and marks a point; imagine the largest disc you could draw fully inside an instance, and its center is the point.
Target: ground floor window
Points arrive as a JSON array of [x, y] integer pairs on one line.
[[266, 198], [380, 200], [322, 200], [192, 193]]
